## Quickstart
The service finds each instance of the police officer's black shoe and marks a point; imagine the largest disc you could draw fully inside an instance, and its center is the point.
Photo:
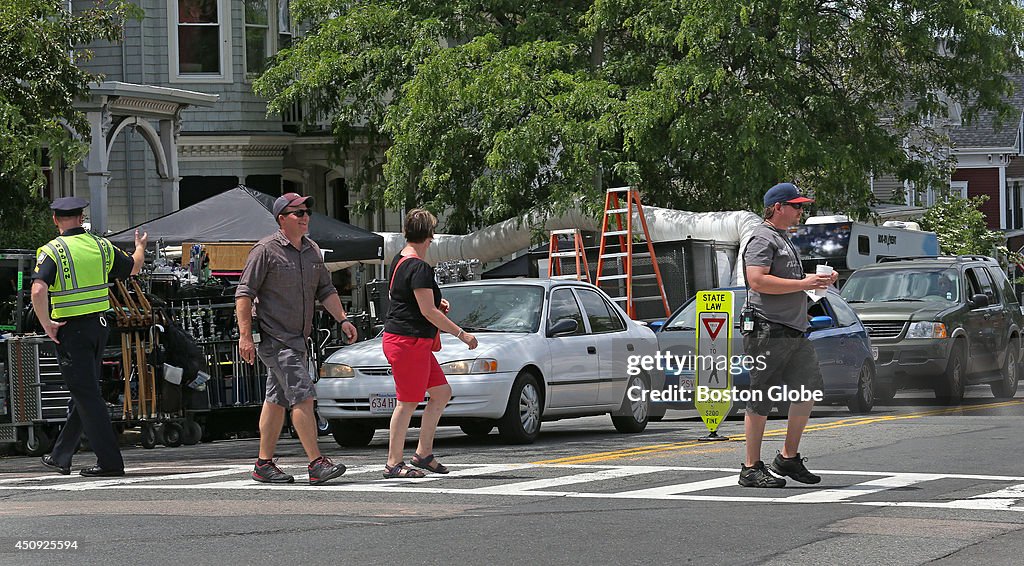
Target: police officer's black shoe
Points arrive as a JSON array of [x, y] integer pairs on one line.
[[794, 468], [98, 472], [50, 463], [758, 476]]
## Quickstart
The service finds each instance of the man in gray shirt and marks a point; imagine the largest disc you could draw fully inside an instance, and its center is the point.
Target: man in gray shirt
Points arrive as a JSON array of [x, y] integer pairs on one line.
[[285, 272], [778, 305]]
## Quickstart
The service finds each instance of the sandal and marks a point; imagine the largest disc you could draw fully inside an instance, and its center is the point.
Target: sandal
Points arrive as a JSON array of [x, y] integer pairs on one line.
[[425, 463], [400, 470]]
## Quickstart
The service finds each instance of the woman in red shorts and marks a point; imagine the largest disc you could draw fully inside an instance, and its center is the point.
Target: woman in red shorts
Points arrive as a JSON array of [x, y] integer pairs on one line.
[[416, 316]]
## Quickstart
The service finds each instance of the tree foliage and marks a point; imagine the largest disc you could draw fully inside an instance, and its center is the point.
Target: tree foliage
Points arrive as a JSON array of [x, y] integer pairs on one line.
[[39, 83], [961, 228], [492, 107]]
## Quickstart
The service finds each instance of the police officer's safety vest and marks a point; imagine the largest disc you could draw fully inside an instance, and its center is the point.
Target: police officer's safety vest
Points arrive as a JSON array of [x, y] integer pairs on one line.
[[83, 262]]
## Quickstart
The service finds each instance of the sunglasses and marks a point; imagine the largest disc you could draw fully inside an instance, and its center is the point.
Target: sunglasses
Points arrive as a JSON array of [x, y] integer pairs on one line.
[[796, 205], [299, 213]]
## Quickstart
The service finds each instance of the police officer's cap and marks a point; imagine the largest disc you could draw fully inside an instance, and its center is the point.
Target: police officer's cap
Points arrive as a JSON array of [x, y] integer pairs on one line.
[[68, 206]]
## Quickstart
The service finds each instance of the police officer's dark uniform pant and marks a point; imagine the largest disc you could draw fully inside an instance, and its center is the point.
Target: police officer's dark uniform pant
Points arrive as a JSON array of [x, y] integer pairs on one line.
[[80, 353]]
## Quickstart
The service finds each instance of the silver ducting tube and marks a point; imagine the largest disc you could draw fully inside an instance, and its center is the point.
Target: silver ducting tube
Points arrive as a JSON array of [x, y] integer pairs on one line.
[[665, 224]]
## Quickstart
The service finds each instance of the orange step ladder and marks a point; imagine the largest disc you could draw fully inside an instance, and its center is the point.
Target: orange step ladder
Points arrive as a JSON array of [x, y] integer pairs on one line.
[[555, 256], [629, 287]]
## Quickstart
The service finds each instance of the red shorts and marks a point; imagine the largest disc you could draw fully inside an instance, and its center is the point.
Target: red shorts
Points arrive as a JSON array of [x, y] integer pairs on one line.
[[413, 366]]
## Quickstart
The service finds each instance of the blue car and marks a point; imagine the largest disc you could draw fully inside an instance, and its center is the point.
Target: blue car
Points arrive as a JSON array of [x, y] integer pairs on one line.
[[844, 350]]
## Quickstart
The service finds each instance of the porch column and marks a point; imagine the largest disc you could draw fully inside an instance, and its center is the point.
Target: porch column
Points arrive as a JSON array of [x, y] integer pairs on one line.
[[99, 176], [169, 186]]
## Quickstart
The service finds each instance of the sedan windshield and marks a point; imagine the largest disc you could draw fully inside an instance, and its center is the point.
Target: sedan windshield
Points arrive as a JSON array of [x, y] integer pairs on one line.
[[495, 308], [925, 285]]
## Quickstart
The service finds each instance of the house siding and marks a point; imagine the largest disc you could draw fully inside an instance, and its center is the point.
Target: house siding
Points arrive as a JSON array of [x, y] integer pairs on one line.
[[983, 181], [887, 188]]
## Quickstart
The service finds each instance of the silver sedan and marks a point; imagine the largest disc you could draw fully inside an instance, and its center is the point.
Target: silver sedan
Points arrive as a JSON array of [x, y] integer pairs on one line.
[[548, 350]]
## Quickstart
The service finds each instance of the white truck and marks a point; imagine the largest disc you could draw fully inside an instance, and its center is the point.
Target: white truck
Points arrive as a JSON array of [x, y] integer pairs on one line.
[[846, 245]]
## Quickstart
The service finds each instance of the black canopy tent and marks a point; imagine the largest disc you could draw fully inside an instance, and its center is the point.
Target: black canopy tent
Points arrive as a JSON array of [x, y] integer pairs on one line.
[[243, 214]]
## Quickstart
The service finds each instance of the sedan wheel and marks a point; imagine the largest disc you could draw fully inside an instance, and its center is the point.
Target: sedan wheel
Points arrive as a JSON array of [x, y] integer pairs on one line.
[[634, 413], [478, 429], [521, 422], [864, 400], [1006, 387], [351, 434]]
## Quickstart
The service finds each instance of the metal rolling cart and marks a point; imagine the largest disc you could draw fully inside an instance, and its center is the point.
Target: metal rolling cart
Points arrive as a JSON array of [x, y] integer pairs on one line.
[[230, 400], [33, 399], [36, 400]]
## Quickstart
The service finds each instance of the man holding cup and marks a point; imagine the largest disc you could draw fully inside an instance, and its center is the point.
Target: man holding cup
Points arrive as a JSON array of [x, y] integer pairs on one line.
[[774, 327]]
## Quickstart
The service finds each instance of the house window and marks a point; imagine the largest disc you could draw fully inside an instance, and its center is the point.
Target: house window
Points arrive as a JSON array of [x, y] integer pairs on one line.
[[199, 36], [257, 36], [958, 189], [284, 25], [931, 196], [1018, 202]]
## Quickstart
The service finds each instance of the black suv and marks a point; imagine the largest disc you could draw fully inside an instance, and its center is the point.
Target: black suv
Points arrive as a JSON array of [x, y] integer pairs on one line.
[[939, 323]]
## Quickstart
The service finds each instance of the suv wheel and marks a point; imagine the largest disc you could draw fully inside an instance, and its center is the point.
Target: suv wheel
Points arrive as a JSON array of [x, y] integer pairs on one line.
[[1006, 387], [950, 390]]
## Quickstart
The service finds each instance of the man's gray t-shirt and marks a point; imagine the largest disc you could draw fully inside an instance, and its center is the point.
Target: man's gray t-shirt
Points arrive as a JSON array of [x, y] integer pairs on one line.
[[771, 248]]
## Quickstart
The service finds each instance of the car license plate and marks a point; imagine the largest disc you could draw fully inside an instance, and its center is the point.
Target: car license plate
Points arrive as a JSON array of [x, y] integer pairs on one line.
[[874, 353], [687, 383], [382, 403]]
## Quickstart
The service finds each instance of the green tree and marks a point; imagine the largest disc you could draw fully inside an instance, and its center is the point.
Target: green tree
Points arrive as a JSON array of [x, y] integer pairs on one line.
[[39, 84], [961, 228], [488, 108]]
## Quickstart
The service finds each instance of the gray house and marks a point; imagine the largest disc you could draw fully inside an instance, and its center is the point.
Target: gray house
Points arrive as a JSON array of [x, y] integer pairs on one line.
[[213, 47], [989, 161]]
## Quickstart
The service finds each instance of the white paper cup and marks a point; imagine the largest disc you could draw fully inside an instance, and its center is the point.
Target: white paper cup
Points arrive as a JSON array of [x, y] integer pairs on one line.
[[823, 270]]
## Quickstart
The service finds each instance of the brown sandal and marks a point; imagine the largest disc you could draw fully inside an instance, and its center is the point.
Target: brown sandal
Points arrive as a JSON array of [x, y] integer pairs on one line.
[[400, 471]]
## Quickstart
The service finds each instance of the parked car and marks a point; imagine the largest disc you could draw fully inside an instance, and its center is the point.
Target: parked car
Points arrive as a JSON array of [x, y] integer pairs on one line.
[[549, 349], [840, 341], [940, 323]]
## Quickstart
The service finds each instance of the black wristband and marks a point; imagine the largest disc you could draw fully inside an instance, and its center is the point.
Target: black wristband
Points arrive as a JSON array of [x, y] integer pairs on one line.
[[343, 320]]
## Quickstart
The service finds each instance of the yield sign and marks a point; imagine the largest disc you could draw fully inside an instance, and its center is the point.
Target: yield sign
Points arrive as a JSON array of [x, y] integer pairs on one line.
[[713, 326]]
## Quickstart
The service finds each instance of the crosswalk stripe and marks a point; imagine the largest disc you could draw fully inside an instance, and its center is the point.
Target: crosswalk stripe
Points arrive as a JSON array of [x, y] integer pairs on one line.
[[82, 484], [529, 487], [1012, 492], [467, 480], [835, 495], [670, 490]]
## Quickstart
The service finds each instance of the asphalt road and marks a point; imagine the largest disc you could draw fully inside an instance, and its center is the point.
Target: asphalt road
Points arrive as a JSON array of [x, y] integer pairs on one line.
[[911, 483]]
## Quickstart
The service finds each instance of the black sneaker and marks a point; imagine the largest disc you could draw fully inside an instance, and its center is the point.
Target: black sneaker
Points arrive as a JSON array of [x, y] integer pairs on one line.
[[793, 468], [270, 473], [322, 470], [758, 476]]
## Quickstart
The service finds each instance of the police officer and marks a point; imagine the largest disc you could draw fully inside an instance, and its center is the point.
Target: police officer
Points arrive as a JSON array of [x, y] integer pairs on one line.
[[73, 271]]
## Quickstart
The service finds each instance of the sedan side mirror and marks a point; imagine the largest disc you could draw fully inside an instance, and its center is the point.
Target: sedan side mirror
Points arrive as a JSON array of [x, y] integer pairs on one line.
[[564, 326], [819, 322], [978, 301]]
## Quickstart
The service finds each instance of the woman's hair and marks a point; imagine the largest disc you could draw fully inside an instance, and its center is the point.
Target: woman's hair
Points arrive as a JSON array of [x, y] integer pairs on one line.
[[419, 225]]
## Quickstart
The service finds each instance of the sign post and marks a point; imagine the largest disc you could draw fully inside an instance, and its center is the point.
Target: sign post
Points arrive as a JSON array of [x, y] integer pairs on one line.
[[713, 383]]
